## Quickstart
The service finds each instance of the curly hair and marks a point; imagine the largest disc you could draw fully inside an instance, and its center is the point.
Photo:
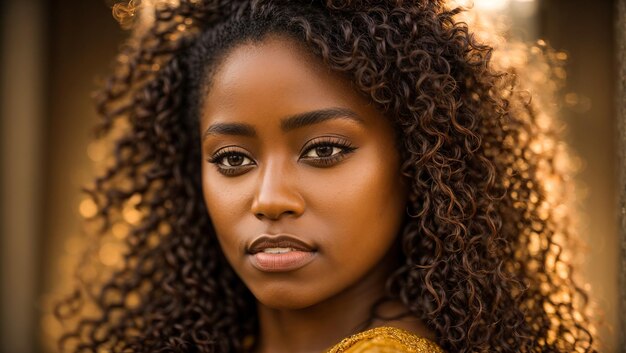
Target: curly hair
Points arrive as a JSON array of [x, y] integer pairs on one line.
[[480, 243]]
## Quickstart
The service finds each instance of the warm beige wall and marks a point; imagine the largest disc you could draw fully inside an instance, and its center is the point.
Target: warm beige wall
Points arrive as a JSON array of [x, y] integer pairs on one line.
[[21, 110], [585, 30], [621, 116], [84, 38]]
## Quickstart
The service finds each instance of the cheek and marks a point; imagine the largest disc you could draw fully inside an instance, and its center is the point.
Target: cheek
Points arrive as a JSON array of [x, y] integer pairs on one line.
[[364, 204], [225, 205]]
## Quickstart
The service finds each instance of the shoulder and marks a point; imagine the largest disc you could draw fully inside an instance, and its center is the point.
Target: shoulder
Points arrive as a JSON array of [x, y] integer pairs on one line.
[[385, 340]]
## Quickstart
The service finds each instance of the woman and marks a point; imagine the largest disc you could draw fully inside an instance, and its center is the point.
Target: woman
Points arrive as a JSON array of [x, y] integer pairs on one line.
[[342, 176]]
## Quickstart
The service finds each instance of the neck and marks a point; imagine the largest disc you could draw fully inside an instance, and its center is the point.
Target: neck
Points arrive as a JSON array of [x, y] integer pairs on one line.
[[312, 329], [319, 327]]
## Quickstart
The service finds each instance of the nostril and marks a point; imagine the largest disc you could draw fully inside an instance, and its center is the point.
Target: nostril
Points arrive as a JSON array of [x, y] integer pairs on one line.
[[276, 205], [261, 215]]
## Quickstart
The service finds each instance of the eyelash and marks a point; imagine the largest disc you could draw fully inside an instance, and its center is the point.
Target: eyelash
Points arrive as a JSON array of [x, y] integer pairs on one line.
[[345, 146]]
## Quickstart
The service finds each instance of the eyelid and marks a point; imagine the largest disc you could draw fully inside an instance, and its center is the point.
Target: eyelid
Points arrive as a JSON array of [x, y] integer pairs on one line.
[[225, 151], [334, 141], [327, 140], [346, 148], [230, 170]]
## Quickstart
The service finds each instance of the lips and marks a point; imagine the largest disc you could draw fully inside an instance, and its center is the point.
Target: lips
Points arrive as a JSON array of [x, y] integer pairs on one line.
[[281, 253], [265, 241]]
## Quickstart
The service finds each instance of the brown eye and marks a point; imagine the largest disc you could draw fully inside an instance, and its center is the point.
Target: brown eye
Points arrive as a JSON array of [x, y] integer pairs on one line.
[[327, 152], [234, 160], [324, 151], [229, 161]]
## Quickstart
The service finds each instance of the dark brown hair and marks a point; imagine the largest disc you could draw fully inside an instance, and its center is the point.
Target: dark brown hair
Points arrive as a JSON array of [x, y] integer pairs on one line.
[[479, 243]]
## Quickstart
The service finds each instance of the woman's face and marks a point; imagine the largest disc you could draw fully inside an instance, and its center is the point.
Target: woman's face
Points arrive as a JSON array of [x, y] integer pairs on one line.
[[300, 175]]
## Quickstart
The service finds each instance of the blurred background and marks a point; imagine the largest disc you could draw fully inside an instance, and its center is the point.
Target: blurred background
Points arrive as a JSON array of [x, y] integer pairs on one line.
[[54, 52]]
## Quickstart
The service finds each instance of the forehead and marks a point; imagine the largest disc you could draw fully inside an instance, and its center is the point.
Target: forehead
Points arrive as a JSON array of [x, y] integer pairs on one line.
[[273, 78]]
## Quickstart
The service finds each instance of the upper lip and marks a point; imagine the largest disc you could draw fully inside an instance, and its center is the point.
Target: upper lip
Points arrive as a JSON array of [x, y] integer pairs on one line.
[[266, 241]]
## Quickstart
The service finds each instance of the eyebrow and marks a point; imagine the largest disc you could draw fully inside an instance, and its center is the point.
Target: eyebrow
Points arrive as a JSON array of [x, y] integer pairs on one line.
[[286, 124]]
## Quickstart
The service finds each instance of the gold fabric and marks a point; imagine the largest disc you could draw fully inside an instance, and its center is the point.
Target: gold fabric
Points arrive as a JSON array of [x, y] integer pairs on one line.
[[385, 340]]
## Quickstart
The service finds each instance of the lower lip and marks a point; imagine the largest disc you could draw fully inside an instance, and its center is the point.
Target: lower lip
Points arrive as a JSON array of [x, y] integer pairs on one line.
[[289, 261]]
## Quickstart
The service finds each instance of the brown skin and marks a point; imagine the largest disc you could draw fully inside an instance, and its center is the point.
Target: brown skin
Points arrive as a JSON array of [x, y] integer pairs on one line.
[[466, 270], [351, 210]]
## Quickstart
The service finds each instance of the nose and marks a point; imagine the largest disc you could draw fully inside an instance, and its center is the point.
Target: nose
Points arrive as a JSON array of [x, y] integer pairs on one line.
[[276, 195]]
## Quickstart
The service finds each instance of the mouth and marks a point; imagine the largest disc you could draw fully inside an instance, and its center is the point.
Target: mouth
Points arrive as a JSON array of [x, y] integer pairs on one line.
[[280, 253]]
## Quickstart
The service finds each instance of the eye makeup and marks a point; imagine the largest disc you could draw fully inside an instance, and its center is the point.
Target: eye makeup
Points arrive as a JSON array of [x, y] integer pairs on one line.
[[324, 145], [327, 151], [230, 161]]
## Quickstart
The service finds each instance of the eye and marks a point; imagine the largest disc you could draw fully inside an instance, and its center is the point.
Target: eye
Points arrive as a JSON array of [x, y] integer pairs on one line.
[[323, 151], [327, 151], [229, 161], [235, 160]]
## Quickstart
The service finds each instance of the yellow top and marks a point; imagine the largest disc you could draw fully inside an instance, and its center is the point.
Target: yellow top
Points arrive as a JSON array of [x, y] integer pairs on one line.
[[385, 340]]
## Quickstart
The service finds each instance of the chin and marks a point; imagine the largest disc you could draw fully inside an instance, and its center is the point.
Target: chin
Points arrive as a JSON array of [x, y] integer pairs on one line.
[[283, 297]]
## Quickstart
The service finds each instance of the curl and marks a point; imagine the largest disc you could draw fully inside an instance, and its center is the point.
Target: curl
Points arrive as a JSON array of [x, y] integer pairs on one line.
[[477, 204]]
